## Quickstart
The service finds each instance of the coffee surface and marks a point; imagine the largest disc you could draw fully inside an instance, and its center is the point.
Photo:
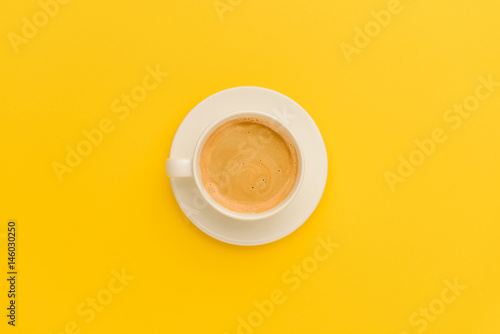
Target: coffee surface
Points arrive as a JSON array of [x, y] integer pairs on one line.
[[249, 164]]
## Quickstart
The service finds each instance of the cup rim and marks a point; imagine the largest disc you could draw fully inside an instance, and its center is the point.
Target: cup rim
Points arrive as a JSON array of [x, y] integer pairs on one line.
[[242, 216]]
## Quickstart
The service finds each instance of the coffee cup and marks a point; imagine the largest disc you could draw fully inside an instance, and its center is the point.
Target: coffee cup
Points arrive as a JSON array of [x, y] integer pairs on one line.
[[247, 165]]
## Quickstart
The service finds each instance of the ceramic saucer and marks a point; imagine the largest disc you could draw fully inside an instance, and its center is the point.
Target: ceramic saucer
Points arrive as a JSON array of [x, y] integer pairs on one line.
[[249, 233]]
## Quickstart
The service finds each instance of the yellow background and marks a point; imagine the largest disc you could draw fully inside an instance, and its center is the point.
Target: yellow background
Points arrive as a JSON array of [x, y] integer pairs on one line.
[[116, 210]]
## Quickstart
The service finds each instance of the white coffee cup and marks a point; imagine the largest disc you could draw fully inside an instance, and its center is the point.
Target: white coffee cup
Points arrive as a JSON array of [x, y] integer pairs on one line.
[[190, 167]]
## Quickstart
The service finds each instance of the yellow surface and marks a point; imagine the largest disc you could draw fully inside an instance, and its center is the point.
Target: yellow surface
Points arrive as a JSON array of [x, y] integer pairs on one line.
[[398, 250]]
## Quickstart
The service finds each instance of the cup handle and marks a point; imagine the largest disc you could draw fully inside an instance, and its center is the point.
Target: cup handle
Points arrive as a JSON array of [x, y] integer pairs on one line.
[[179, 167]]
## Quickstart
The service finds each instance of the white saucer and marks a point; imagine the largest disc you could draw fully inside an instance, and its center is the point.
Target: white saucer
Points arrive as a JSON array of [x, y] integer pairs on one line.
[[259, 232]]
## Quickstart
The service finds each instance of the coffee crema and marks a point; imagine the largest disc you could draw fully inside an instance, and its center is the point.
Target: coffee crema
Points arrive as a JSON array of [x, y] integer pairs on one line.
[[249, 165]]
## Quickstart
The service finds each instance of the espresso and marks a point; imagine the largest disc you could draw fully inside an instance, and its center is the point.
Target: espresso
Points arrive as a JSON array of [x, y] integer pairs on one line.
[[249, 165]]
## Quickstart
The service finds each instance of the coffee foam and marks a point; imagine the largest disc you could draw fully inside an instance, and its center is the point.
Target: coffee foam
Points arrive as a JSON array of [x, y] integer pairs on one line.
[[249, 164]]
